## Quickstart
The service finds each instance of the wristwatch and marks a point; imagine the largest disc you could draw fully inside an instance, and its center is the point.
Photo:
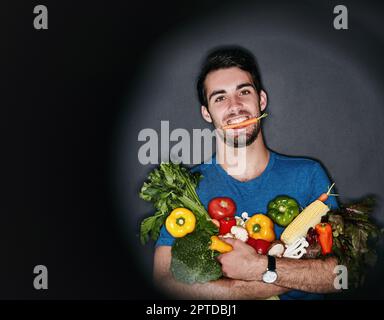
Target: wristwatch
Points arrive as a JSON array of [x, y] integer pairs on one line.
[[270, 276]]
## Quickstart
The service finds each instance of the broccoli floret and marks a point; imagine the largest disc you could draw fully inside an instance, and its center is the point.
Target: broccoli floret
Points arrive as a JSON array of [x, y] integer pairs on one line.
[[193, 261]]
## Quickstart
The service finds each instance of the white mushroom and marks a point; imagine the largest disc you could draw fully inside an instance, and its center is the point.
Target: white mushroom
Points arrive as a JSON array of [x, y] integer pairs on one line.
[[240, 222], [245, 216], [297, 249], [277, 249], [240, 233]]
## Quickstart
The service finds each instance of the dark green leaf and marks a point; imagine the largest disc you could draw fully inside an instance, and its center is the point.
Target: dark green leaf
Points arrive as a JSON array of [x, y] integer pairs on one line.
[[146, 227]]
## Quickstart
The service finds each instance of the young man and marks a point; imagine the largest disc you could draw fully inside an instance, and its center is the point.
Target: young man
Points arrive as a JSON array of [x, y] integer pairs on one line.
[[230, 91]]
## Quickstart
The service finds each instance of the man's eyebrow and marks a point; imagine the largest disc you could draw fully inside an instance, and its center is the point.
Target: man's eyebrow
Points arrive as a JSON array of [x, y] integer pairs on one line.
[[215, 92], [246, 84]]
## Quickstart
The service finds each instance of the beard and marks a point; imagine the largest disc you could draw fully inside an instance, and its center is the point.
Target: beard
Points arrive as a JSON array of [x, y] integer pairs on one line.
[[242, 138]]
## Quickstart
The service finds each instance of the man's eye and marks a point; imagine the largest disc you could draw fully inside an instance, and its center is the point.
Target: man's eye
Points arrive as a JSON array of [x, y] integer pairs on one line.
[[245, 92], [219, 99]]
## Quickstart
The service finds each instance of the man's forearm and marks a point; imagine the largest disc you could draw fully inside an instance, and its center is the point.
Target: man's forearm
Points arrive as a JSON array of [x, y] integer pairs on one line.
[[312, 275], [224, 289]]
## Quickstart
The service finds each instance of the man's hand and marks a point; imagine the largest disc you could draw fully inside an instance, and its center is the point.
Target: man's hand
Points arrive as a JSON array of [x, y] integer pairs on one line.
[[242, 263]]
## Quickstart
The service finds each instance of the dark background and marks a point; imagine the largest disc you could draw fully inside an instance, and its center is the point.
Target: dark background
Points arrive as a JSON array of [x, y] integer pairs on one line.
[[74, 97]]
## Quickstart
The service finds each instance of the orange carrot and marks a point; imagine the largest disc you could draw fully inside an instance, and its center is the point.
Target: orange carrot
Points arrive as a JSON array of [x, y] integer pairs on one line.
[[324, 196], [244, 123]]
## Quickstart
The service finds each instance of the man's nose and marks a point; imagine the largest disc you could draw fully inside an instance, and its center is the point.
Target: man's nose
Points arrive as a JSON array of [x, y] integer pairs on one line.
[[235, 103]]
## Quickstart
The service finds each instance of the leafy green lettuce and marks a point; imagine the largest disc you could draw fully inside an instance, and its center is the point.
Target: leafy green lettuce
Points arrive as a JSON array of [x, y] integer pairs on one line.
[[355, 237], [168, 187]]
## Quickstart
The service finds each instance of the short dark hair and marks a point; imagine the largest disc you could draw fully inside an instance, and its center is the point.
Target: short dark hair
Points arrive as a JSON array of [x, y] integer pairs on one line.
[[227, 57]]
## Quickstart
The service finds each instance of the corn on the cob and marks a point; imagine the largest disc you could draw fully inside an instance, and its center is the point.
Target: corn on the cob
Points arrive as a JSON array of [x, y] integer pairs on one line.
[[308, 218]]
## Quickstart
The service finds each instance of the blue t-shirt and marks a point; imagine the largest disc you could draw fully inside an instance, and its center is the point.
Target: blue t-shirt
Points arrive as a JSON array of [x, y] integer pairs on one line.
[[300, 178]]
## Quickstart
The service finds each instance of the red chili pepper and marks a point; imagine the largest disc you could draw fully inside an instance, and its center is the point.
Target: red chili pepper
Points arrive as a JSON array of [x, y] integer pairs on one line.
[[226, 224], [324, 232]]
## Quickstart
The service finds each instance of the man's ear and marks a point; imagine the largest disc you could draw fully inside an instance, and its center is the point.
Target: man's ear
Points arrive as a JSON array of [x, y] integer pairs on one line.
[[263, 100], [205, 113]]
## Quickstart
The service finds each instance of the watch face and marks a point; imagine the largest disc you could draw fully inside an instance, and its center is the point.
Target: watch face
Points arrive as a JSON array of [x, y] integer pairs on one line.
[[269, 276]]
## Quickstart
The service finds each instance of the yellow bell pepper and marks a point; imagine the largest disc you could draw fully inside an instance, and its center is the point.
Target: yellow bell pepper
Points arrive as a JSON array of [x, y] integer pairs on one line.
[[259, 226], [219, 245], [180, 222]]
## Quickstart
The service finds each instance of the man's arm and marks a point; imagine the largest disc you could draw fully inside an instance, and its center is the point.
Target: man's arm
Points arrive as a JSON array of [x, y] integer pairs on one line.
[[310, 275], [220, 289]]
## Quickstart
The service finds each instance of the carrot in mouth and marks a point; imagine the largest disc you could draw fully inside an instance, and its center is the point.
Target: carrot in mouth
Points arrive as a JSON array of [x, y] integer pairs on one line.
[[244, 123]]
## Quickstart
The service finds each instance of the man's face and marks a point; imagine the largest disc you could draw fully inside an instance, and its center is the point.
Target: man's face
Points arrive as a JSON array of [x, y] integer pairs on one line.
[[232, 98]]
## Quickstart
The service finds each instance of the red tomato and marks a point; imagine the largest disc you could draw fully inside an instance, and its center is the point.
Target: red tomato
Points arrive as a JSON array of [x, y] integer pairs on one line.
[[226, 224], [221, 207]]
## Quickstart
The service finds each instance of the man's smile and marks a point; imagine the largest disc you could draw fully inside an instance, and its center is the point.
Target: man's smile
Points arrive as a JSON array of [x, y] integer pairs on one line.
[[237, 119]]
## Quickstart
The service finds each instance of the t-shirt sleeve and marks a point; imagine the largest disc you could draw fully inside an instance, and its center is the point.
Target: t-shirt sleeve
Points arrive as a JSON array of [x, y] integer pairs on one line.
[[165, 239], [319, 184]]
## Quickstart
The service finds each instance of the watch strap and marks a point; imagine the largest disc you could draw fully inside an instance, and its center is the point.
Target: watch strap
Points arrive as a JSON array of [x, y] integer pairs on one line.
[[271, 263]]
